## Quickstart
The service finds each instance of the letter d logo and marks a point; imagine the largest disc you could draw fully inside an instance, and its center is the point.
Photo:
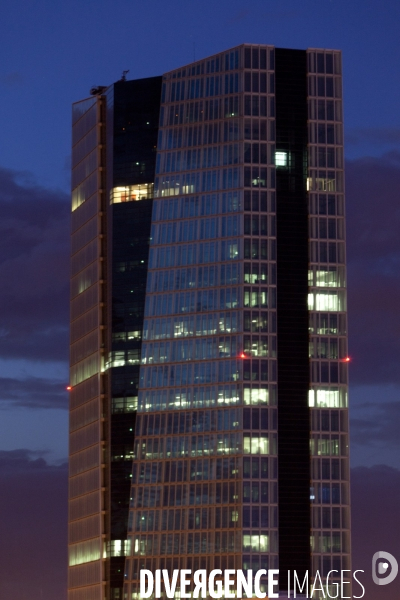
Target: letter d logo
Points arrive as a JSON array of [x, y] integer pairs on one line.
[[380, 568]]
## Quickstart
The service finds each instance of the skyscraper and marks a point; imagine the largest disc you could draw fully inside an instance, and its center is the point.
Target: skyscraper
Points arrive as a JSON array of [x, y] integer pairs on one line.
[[232, 449]]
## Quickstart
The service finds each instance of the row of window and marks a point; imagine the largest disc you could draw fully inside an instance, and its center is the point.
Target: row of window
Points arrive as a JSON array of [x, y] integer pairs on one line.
[[188, 422], [208, 348], [330, 518], [197, 229], [206, 445], [329, 420], [324, 228], [329, 445], [256, 82], [184, 518], [257, 516], [256, 321], [190, 325], [226, 298], [225, 107], [327, 252], [323, 323], [326, 204], [206, 469], [327, 397], [325, 133], [211, 323], [201, 135], [331, 87], [202, 421], [200, 158], [228, 61], [261, 177], [254, 492], [325, 157], [325, 181], [326, 468], [329, 348], [191, 470], [217, 227], [217, 299], [199, 181], [187, 495], [257, 249], [329, 493], [325, 110], [256, 128], [204, 397], [329, 277], [328, 372], [199, 469], [209, 372], [259, 346], [195, 254], [171, 209], [181, 544], [324, 62], [327, 300]]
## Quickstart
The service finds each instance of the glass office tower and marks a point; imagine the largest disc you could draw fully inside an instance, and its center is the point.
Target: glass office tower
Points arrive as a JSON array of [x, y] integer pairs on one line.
[[235, 447]]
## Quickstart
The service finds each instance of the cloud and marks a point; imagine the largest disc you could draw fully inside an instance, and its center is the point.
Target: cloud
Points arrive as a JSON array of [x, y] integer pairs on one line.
[[377, 422], [34, 268], [373, 251], [375, 496], [14, 462], [33, 548], [33, 392]]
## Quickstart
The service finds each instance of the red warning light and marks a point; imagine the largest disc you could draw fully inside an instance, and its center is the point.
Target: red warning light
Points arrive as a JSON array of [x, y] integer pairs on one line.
[[68, 388], [242, 355], [347, 359]]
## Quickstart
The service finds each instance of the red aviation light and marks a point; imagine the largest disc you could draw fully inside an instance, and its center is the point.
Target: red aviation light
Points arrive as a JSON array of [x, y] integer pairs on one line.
[[242, 355], [347, 359], [68, 388]]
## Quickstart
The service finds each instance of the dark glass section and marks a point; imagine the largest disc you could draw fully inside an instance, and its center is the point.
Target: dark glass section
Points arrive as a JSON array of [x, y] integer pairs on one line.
[[292, 314], [136, 117], [130, 248], [133, 116]]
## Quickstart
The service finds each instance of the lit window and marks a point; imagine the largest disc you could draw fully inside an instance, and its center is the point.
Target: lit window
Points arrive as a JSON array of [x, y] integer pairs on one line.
[[255, 395], [255, 445], [281, 159], [326, 301], [131, 193], [329, 398]]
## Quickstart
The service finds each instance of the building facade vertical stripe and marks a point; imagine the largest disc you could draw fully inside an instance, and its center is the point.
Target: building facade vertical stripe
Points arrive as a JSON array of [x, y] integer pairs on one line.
[[292, 313]]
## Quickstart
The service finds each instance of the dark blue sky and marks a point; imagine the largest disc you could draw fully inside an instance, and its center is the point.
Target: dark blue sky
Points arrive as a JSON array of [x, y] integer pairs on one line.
[[52, 52], [57, 50]]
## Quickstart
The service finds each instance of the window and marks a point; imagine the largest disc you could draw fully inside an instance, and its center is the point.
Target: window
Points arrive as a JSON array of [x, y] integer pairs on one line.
[[281, 159], [131, 193]]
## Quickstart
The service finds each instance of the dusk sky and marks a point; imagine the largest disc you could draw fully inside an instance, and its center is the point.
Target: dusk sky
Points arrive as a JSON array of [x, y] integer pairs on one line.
[[53, 52]]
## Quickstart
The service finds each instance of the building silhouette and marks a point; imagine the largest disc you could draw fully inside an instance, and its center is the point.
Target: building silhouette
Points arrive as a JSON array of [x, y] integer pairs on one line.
[[208, 417]]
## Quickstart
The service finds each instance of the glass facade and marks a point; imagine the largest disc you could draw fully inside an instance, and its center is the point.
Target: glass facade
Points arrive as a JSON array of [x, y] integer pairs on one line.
[[114, 137], [330, 539], [86, 440], [204, 492], [225, 395]]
